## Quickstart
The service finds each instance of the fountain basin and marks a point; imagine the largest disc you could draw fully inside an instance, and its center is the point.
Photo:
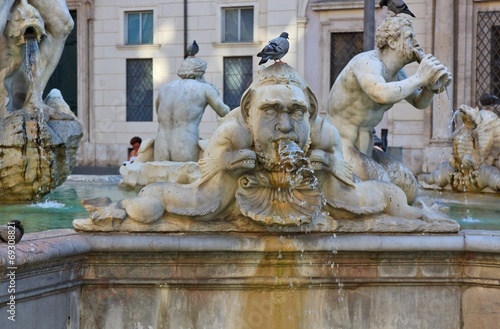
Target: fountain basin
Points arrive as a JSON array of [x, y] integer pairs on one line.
[[234, 280]]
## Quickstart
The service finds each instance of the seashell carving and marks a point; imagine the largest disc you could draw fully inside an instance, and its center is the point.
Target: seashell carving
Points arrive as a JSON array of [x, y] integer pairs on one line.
[[298, 204], [289, 196]]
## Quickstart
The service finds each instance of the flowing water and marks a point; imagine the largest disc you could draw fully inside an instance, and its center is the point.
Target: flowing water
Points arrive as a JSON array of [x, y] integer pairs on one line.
[[33, 69]]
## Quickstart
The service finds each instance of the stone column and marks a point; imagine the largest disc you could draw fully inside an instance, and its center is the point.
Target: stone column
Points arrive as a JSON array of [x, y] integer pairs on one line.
[[439, 148], [301, 45], [369, 25], [444, 50]]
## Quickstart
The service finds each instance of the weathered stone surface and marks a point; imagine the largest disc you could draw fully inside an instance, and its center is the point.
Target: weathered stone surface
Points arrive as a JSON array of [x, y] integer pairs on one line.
[[374, 224], [228, 281], [481, 307], [35, 161]]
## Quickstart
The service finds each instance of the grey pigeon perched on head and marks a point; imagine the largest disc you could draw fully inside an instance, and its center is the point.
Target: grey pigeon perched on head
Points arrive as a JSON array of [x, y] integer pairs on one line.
[[15, 227], [192, 49], [396, 6], [275, 49]]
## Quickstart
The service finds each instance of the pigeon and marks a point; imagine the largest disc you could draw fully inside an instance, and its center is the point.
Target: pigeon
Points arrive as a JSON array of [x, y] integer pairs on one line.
[[192, 49], [275, 49], [489, 99], [6, 229], [396, 6]]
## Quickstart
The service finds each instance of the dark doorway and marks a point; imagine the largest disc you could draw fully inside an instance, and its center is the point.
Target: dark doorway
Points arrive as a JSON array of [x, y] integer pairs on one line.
[[65, 75]]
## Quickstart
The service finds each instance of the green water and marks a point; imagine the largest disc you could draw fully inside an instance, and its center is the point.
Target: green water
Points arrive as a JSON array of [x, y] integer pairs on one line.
[[59, 208], [473, 211], [476, 217]]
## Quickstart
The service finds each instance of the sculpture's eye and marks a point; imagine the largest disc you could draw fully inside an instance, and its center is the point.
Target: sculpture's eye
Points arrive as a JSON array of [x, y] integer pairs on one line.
[[298, 113], [271, 111]]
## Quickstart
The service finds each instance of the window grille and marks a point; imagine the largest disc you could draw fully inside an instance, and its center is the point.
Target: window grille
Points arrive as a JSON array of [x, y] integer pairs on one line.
[[139, 90], [237, 24], [237, 78], [488, 55], [139, 28], [343, 47]]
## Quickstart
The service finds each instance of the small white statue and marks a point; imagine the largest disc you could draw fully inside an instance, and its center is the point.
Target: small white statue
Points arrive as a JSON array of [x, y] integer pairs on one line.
[[180, 106]]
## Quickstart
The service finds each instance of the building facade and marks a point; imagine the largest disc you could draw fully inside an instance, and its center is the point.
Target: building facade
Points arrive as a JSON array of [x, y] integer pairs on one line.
[[125, 50]]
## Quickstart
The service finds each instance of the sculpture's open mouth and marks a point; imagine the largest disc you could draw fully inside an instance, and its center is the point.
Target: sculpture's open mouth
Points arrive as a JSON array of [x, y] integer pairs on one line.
[[468, 114], [464, 111], [243, 159], [32, 31]]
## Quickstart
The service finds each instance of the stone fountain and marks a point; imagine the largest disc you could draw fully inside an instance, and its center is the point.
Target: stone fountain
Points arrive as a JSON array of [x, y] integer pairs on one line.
[[272, 165], [264, 238], [38, 138]]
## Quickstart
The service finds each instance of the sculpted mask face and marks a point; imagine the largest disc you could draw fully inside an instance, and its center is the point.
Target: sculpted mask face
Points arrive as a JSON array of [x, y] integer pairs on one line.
[[279, 113]]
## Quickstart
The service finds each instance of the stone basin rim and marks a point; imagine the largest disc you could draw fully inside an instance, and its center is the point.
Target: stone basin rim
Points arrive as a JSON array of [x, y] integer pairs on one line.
[[62, 243]]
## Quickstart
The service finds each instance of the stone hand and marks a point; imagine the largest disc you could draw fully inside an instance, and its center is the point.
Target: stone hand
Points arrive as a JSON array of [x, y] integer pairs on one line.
[[429, 67], [442, 79]]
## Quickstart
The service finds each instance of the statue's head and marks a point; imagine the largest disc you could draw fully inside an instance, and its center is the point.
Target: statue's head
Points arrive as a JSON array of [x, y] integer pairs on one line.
[[397, 33], [192, 68], [279, 109], [24, 21]]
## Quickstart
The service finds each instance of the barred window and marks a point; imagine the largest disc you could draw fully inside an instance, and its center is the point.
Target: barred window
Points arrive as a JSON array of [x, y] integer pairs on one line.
[[237, 78], [343, 47], [139, 89], [237, 24], [139, 29], [488, 54]]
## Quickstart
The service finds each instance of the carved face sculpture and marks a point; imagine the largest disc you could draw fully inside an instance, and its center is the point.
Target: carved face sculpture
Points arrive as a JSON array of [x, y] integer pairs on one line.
[[407, 44], [279, 114]]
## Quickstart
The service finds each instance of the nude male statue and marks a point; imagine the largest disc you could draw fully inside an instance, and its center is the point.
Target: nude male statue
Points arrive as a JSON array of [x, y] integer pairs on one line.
[[371, 83], [180, 106]]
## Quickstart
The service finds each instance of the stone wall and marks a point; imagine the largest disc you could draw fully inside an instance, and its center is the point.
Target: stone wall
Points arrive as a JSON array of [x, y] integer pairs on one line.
[[254, 281]]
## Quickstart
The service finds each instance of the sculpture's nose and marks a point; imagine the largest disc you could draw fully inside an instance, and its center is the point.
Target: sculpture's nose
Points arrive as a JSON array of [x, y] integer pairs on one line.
[[284, 124]]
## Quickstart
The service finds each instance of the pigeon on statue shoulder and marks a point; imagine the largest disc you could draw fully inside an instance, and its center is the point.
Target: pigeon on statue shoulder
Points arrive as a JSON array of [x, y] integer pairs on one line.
[[275, 49], [396, 6]]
